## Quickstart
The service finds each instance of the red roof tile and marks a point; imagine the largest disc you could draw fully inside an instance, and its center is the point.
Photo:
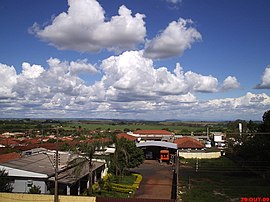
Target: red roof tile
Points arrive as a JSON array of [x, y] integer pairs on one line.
[[8, 141], [9, 156], [126, 136], [152, 132], [188, 143]]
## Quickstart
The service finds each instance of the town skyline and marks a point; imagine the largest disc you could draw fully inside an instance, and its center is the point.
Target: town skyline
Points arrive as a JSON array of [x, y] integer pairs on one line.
[[154, 60]]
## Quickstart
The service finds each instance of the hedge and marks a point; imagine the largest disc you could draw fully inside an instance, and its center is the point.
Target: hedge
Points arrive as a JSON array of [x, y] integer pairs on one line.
[[123, 188]]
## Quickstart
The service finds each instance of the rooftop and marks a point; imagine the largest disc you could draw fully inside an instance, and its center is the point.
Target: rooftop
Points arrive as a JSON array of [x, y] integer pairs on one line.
[[126, 136], [9, 156], [152, 132], [188, 143]]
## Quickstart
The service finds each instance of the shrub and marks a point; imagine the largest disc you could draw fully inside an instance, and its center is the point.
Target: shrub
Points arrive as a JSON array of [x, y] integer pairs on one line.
[[34, 190]]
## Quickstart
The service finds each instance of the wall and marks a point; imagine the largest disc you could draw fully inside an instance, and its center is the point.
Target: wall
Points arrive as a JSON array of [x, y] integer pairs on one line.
[[200, 155], [20, 186], [11, 197]]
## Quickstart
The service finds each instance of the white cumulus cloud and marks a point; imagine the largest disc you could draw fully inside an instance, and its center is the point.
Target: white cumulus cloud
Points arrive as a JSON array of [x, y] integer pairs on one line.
[[131, 87], [130, 75], [84, 28], [173, 41], [265, 81], [8, 80], [33, 71], [80, 66], [230, 83]]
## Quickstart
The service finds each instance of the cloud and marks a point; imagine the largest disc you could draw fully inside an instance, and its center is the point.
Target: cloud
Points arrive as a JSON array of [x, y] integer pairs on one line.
[[81, 66], [173, 41], [265, 81], [131, 87], [247, 101], [174, 1], [84, 28], [33, 71], [132, 75], [230, 83], [8, 80]]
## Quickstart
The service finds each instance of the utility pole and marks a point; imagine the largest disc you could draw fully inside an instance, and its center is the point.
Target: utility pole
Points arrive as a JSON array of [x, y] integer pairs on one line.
[[56, 169], [177, 176], [197, 165]]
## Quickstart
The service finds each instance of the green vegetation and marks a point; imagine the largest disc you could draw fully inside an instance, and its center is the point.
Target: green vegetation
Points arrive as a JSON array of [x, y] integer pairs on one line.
[[5, 182], [219, 180], [252, 147], [34, 190], [117, 186], [126, 156]]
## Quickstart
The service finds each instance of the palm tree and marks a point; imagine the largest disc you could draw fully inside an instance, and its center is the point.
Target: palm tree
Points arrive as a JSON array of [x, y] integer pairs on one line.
[[86, 153]]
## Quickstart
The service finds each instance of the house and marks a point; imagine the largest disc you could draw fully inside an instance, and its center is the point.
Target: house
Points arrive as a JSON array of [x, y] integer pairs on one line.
[[219, 139], [150, 135], [126, 136], [188, 147], [9, 142], [9, 156], [37, 168], [188, 143]]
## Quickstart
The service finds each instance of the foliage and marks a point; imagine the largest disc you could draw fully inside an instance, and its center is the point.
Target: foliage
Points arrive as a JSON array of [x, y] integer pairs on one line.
[[126, 156], [254, 148], [115, 184], [51, 140], [86, 151], [266, 122], [34, 190], [5, 182], [233, 126]]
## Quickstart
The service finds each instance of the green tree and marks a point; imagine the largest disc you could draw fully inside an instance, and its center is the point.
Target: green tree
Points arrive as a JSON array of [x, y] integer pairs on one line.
[[266, 121], [256, 147], [86, 151], [252, 126], [126, 156], [5, 181]]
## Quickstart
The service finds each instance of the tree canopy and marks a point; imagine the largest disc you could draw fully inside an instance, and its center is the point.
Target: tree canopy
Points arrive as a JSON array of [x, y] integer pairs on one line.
[[5, 182], [126, 156]]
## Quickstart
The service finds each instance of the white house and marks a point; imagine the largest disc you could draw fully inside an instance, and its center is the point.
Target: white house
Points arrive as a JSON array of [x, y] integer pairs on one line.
[[38, 169], [219, 139]]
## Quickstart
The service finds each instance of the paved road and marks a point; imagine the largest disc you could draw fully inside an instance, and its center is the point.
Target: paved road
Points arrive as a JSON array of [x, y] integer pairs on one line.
[[157, 180]]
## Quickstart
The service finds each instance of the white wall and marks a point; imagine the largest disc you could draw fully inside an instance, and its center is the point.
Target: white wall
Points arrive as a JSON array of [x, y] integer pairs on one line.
[[200, 155], [218, 138], [20, 186]]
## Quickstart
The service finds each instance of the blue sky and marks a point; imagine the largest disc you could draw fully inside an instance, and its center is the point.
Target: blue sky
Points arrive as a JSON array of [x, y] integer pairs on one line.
[[154, 59]]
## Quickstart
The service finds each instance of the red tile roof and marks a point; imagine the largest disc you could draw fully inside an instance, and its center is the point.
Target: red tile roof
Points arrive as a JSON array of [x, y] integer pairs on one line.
[[126, 136], [188, 143], [9, 156], [152, 132], [9, 141]]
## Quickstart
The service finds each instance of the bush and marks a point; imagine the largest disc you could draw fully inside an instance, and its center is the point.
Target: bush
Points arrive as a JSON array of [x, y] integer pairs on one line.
[[109, 185], [34, 190]]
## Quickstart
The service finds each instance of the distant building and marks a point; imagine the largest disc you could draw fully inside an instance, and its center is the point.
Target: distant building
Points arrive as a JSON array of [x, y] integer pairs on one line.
[[219, 139], [156, 135], [127, 136], [188, 147], [188, 143]]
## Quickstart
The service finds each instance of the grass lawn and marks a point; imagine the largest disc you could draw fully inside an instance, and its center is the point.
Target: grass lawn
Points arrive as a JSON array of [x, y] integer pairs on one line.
[[219, 180]]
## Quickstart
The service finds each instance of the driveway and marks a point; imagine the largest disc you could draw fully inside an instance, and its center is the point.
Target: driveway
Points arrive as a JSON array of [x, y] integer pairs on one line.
[[157, 180]]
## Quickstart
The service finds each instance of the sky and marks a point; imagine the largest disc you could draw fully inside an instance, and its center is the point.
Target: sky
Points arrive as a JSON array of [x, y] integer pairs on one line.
[[123, 59]]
